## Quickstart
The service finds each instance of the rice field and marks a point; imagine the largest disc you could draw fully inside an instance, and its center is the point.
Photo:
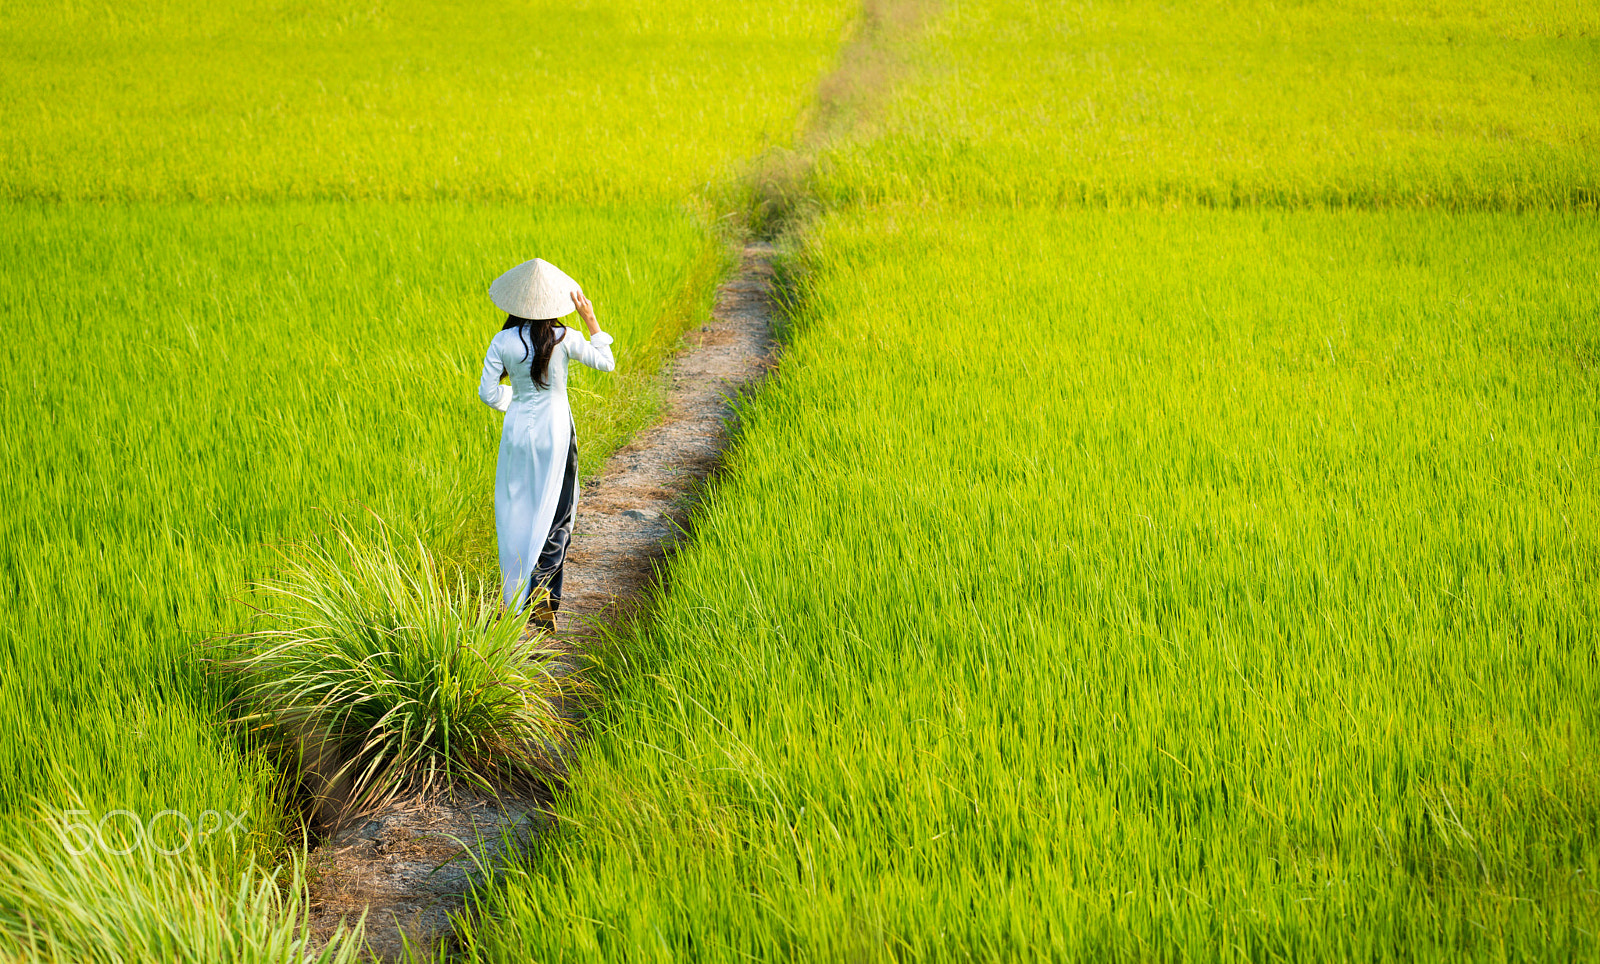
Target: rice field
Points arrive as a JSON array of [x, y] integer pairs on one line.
[[1111, 576], [1200, 586], [1358, 103], [203, 383], [1170, 535], [244, 276], [531, 100]]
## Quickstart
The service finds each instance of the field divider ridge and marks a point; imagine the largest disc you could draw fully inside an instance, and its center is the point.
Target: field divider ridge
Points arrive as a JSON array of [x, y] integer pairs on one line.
[[410, 867]]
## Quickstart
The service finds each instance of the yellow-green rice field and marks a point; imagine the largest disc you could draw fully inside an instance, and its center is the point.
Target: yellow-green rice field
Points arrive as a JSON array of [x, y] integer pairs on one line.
[[1170, 534]]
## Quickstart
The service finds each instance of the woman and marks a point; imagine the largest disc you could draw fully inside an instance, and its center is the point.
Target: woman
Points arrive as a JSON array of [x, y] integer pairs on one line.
[[536, 481]]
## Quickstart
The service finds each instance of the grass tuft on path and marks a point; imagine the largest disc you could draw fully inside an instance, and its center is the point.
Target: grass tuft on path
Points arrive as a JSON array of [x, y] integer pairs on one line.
[[373, 672]]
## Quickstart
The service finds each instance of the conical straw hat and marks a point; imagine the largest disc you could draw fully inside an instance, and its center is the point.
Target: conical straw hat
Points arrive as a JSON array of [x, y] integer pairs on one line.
[[534, 289]]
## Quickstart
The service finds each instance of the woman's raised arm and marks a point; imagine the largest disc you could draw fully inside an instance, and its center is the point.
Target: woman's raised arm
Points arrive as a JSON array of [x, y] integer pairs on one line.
[[596, 352]]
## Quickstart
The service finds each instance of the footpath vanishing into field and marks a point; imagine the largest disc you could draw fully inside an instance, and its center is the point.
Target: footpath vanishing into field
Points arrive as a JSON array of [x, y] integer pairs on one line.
[[407, 868], [245, 255]]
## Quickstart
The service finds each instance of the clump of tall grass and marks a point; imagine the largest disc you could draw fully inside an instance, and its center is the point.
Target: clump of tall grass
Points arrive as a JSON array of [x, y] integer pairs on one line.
[[374, 673], [99, 905]]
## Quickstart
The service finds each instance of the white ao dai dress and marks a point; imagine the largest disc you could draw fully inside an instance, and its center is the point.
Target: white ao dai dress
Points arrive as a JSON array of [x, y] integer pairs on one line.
[[534, 444]]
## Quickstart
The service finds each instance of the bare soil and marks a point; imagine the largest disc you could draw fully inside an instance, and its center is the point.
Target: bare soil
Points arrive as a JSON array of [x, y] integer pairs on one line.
[[628, 521], [409, 868]]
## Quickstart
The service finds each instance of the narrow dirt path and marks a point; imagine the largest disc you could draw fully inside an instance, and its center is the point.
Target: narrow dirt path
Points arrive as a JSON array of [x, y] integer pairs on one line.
[[407, 867], [629, 519]]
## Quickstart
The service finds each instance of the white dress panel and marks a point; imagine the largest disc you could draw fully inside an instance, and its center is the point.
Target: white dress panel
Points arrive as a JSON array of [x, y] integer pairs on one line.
[[533, 444]]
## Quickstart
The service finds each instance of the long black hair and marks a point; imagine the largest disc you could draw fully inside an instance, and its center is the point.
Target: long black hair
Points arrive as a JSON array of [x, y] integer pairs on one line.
[[539, 342]]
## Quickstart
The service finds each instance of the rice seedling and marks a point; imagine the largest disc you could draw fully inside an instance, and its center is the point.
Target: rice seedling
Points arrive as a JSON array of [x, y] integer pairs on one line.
[[376, 673], [64, 900], [1159, 586]]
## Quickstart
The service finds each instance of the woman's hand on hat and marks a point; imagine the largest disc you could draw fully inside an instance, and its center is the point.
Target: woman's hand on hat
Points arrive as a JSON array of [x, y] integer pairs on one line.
[[586, 311]]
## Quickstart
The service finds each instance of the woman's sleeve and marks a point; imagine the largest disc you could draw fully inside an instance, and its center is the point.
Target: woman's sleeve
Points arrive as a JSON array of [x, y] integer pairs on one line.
[[490, 391], [595, 352]]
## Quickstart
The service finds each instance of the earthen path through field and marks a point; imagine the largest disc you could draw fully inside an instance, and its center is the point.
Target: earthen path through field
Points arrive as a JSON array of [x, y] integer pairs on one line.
[[406, 867]]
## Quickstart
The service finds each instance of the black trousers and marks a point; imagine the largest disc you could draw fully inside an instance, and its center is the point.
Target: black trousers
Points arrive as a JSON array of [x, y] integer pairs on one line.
[[553, 557]]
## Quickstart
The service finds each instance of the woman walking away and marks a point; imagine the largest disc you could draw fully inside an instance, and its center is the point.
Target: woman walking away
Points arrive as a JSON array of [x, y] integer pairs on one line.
[[536, 480]]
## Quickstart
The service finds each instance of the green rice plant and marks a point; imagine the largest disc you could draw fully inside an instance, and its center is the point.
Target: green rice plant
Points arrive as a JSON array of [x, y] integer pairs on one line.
[[261, 359], [376, 673], [64, 900]]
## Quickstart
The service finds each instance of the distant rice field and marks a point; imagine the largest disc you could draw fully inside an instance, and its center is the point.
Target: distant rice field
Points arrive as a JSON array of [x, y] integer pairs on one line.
[[1375, 103], [526, 101]]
